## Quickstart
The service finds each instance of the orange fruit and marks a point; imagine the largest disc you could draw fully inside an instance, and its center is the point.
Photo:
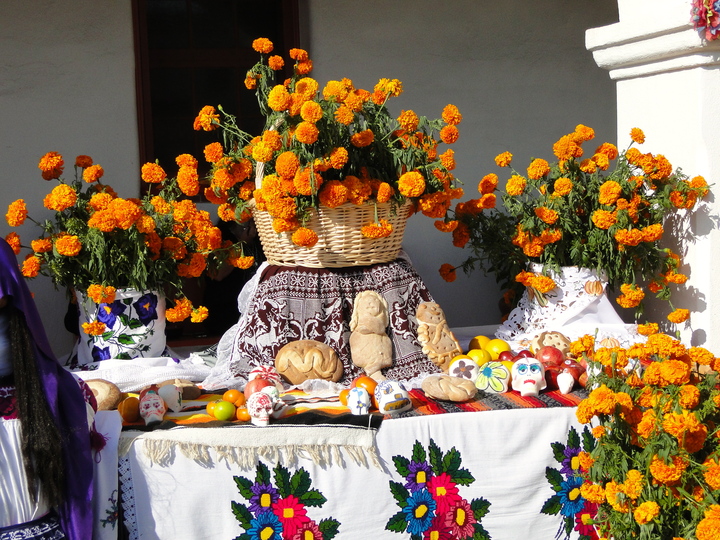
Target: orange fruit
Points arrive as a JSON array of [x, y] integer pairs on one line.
[[344, 396], [479, 356], [232, 395], [210, 407], [242, 414], [478, 342], [240, 401], [129, 409], [496, 346]]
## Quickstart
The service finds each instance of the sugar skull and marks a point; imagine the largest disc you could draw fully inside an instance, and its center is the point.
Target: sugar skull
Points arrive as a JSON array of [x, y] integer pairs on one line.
[[152, 406], [358, 400], [464, 368], [392, 397], [528, 376], [260, 406]]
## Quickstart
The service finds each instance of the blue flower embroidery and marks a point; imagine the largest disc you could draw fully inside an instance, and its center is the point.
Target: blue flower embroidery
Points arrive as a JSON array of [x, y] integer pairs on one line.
[[146, 308], [108, 313], [100, 353], [419, 512], [570, 499], [266, 526]]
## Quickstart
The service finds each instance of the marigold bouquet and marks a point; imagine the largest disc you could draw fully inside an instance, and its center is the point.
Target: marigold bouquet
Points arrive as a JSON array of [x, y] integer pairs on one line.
[[651, 468], [99, 242], [327, 147], [581, 212]]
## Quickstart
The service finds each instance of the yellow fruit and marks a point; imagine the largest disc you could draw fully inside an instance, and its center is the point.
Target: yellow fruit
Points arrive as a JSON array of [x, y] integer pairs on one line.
[[480, 356], [478, 342], [460, 357], [496, 346]]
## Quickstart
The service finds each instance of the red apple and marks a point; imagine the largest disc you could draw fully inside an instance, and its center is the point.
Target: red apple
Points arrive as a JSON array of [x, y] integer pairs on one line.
[[572, 367], [550, 356], [525, 354], [551, 375], [505, 356], [255, 385]]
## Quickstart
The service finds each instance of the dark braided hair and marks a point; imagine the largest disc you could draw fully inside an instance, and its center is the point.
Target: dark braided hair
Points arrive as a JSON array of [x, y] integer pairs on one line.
[[41, 438]]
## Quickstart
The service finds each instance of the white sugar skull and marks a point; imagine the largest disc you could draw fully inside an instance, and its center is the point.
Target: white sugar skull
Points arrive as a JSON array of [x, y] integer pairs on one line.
[[392, 397], [528, 376], [152, 406], [358, 400], [260, 407], [464, 368]]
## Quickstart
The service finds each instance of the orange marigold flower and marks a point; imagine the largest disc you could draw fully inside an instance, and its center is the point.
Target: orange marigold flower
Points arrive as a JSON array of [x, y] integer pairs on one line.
[[338, 157], [444, 226], [411, 184], [547, 215], [101, 294], [447, 159], [637, 135], [17, 213], [30, 266], [333, 194], [100, 201], [538, 168], [180, 311], [712, 473], [567, 148], [609, 192], [647, 329], [311, 111], [207, 119], [175, 247], [651, 233], [344, 115], [199, 314], [629, 237], [286, 164], [41, 245], [408, 120], [300, 55], [668, 473], [187, 179], [93, 174], [152, 173], [584, 133], [604, 219], [488, 183], [447, 272], [451, 115], [598, 432], [588, 166], [50, 163], [186, 160], [192, 266], [631, 295], [307, 87], [95, 328], [304, 67], [68, 245], [362, 139], [449, 134], [384, 192], [487, 201], [60, 198], [83, 161], [646, 512], [562, 186], [382, 229], [593, 492], [516, 185], [542, 284], [276, 63], [679, 316], [304, 237], [262, 45], [689, 397], [461, 235], [602, 400], [242, 262], [279, 98], [307, 133], [504, 159], [213, 152]]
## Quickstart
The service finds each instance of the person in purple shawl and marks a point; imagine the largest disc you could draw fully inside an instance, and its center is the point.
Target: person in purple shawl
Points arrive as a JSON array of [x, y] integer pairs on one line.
[[46, 470]]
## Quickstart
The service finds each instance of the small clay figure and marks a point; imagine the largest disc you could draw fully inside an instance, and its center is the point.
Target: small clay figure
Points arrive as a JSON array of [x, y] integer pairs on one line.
[[152, 406], [370, 346], [437, 341]]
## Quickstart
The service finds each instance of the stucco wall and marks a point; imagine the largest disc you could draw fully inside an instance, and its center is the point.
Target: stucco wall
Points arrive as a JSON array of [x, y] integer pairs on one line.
[[67, 84], [518, 71]]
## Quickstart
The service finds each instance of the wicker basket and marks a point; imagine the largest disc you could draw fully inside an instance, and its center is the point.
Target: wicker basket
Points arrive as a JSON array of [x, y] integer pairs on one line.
[[340, 242]]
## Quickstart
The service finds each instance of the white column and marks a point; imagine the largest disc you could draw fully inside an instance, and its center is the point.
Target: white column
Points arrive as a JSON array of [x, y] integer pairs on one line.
[[668, 84]]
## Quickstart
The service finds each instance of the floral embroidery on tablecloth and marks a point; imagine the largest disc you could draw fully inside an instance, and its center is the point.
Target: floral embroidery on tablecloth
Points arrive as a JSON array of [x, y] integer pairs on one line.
[[577, 512], [277, 506], [430, 502]]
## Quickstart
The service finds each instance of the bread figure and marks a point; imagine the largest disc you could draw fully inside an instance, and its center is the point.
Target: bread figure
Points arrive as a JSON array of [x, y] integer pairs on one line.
[[437, 341], [370, 346]]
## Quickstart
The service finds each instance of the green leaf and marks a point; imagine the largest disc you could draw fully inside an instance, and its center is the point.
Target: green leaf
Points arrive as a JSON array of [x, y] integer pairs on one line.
[[436, 457], [418, 452], [244, 486], [480, 507], [262, 474], [552, 506], [397, 523], [480, 532], [329, 528], [134, 323], [313, 497], [558, 451], [242, 514], [554, 477], [399, 492], [282, 480], [573, 438], [452, 461], [401, 465], [300, 482], [126, 339], [463, 477], [588, 440]]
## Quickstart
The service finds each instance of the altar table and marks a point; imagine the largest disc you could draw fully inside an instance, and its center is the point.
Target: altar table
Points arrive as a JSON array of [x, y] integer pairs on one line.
[[179, 483]]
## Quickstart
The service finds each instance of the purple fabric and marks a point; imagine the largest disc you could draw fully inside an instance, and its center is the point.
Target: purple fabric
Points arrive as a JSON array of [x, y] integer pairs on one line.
[[66, 402]]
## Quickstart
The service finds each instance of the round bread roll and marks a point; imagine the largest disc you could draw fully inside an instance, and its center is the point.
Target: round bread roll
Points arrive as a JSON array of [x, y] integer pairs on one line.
[[449, 388], [306, 359], [106, 394]]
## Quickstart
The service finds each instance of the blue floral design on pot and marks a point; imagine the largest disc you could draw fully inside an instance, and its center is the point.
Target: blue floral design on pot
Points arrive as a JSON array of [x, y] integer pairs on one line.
[[146, 308]]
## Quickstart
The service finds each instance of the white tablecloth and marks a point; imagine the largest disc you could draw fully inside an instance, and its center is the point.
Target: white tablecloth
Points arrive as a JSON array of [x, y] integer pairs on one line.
[[505, 451]]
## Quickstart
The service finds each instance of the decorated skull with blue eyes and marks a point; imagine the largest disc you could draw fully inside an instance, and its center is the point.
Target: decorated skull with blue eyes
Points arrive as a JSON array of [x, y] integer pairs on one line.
[[528, 376]]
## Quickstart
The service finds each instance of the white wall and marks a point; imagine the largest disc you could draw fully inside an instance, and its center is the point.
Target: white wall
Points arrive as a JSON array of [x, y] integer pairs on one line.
[[518, 71], [67, 84]]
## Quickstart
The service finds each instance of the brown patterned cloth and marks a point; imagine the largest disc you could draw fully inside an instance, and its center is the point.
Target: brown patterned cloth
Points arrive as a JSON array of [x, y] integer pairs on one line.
[[293, 303]]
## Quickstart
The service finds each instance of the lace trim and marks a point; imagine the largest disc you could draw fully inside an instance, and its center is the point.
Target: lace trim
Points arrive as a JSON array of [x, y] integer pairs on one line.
[[127, 498]]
